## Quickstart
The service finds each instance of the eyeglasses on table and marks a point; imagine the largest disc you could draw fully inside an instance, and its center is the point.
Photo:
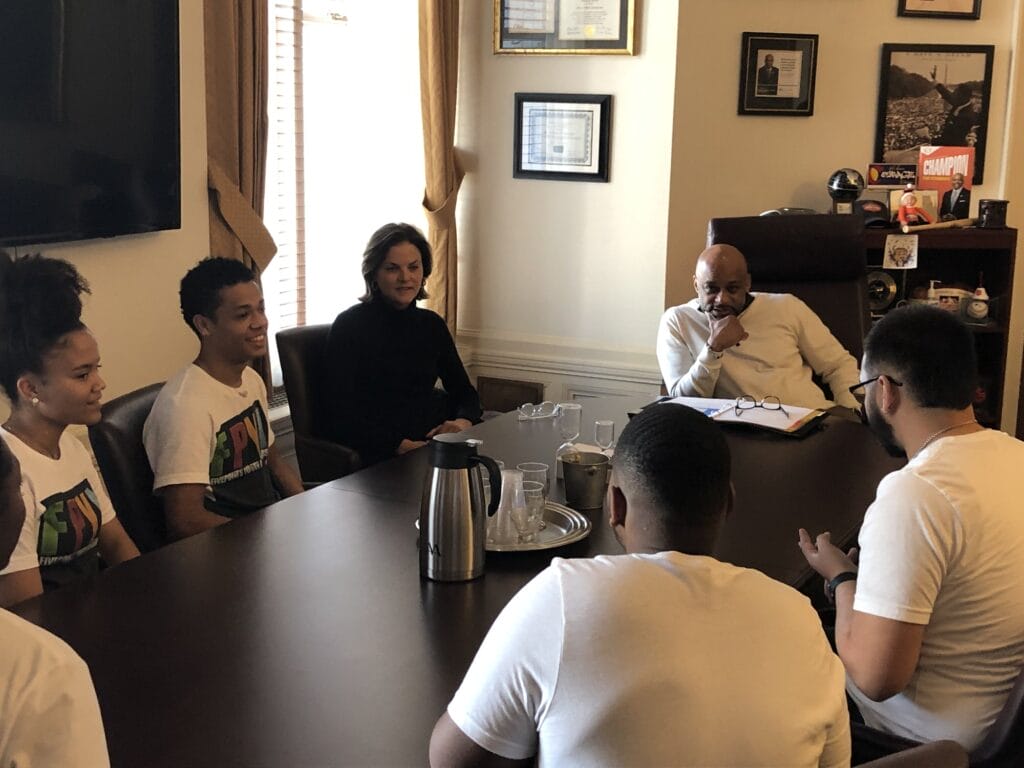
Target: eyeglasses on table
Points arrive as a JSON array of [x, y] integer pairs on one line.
[[768, 403]]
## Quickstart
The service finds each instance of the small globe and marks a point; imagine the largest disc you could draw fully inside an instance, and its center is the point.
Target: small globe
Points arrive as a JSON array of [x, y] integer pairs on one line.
[[845, 185]]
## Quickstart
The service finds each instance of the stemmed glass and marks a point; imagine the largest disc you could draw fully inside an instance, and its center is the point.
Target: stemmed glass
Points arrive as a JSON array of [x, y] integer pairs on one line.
[[604, 434], [569, 419]]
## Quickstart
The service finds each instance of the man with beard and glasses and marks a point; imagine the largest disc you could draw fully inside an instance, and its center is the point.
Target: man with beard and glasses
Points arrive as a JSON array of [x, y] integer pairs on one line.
[[930, 616], [660, 656], [730, 341]]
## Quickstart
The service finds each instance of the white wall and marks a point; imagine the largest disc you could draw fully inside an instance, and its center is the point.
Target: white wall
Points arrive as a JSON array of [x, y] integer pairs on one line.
[[558, 271], [133, 309]]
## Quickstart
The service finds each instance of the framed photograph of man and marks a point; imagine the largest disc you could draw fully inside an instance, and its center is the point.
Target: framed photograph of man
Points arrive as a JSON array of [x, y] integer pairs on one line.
[[941, 9], [777, 74], [933, 94]]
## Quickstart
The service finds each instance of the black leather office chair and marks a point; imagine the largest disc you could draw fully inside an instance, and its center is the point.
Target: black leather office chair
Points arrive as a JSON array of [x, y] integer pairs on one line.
[[1002, 747], [938, 754], [117, 443], [818, 258], [302, 363]]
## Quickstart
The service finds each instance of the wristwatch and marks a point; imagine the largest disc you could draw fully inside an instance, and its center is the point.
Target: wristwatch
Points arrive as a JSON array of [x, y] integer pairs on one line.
[[833, 584]]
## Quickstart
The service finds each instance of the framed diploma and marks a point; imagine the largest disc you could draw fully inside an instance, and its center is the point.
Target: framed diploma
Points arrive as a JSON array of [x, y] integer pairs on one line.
[[564, 26], [561, 136], [941, 9]]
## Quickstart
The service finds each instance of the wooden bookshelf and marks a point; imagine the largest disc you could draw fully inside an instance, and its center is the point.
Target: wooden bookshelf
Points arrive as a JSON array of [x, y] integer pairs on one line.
[[956, 257]]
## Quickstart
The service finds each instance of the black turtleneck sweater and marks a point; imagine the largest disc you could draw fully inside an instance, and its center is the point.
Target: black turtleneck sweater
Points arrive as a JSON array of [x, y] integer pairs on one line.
[[381, 367]]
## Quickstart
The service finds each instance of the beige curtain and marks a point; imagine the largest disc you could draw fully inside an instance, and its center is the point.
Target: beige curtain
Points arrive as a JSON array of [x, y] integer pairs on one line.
[[236, 131], [439, 72]]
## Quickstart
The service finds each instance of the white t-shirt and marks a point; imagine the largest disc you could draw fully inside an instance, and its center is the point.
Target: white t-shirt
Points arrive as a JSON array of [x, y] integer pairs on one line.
[[943, 545], [201, 431], [48, 710], [66, 504], [787, 344], [662, 659]]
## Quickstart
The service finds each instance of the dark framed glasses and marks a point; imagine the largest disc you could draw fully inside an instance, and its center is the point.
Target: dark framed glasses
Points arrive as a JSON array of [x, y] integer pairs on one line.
[[860, 385], [768, 402]]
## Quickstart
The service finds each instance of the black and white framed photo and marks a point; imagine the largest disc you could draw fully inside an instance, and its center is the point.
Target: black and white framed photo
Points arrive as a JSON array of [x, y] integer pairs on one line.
[[941, 9], [933, 94], [777, 74], [562, 136]]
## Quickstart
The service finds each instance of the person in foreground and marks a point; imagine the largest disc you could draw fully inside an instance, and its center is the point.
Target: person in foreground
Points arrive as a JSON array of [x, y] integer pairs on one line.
[[208, 436], [49, 369], [660, 656], [930, 624], [385, 354], [48, 709], [729, 341]]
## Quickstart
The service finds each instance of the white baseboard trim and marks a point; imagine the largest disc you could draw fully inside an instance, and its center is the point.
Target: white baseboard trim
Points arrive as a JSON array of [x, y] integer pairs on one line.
[[567, 368]]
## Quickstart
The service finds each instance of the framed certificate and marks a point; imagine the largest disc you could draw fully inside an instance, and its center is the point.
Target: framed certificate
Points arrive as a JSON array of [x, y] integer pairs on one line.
[[564, 26], [941, 9], [561, 136]]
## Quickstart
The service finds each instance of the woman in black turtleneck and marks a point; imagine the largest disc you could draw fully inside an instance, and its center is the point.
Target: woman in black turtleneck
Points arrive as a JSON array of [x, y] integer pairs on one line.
[[385, 354]]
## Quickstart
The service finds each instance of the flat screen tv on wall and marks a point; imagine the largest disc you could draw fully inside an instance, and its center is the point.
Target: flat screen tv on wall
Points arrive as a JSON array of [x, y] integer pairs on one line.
[[89, 130]]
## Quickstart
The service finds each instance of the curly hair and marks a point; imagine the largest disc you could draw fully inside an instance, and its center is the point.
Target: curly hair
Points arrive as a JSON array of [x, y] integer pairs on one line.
[[201, 286], [40, 302]]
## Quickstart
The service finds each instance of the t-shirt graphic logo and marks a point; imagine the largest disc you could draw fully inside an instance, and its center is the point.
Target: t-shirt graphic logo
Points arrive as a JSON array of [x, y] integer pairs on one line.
[[241, 446], [69, 525]]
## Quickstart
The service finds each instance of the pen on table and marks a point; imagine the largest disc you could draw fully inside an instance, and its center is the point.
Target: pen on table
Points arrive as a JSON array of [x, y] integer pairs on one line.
[[724, 409]]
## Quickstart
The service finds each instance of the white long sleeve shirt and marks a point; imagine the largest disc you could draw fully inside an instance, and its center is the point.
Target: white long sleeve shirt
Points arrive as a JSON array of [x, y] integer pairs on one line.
[[788, 343]]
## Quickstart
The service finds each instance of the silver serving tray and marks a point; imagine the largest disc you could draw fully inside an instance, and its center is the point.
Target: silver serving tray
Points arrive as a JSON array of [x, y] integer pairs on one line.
[[564, 526]]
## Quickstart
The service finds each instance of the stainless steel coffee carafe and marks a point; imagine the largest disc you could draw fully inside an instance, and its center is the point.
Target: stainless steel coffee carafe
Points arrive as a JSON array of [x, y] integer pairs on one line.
[[453, 517]]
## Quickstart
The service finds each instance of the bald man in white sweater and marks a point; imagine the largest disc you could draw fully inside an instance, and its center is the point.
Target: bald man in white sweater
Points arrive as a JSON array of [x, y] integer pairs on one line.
[[730, 341]]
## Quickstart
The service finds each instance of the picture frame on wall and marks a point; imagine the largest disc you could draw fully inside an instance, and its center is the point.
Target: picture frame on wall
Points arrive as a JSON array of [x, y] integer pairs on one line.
[[552, 27], [777, 74], [561, 136], [940, 9], [933, 95]]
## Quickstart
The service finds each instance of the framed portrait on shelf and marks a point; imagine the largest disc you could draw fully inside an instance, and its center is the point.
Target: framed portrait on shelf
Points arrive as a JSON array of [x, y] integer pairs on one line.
[[933, 94], [564, 26], [777, 74], [941, 9], [561, 136]]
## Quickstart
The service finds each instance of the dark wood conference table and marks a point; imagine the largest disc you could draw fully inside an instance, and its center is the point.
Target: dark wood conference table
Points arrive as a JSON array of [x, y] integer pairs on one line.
[[302, 635]]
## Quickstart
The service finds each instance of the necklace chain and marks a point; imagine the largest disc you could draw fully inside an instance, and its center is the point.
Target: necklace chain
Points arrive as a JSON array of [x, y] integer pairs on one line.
[[32, 443], [943, 431]]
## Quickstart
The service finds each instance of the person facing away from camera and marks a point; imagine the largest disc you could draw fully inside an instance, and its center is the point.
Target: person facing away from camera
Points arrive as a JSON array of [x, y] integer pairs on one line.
[[50, 372], [650, 657], [384, 356], [48, 709], [930, 610], [208, 436], [731, 341]]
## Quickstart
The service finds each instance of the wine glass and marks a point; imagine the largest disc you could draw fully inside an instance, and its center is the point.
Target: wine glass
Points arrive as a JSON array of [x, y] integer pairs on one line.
[[569, 420], [604, 434]]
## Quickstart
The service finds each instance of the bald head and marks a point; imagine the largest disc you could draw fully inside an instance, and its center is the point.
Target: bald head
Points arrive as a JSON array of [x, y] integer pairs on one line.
[[722, 280]]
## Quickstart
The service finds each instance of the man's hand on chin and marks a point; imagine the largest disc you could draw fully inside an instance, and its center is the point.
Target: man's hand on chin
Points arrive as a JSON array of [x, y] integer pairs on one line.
[[726, 331]]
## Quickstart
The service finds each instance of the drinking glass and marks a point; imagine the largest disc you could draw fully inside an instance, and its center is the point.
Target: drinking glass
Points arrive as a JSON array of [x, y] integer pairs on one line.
[[537, 472], [487, 481], [569, 415], [604, 434], [535, 498]]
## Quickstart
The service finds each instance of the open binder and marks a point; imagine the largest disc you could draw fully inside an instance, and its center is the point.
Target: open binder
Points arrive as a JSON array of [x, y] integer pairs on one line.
[[790, 420]]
